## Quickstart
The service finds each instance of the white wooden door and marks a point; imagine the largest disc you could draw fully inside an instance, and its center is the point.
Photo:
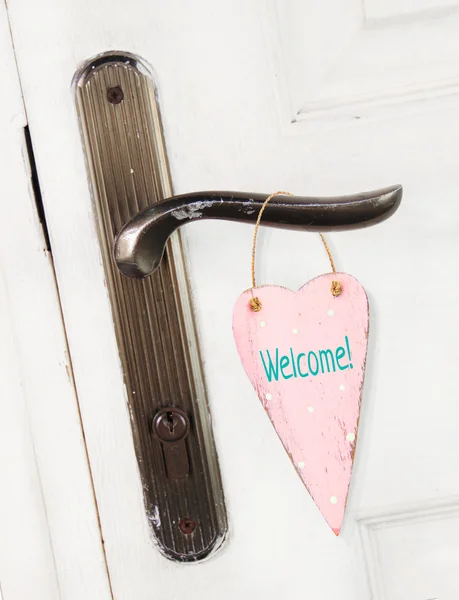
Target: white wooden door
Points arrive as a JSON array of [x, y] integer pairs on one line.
[[317, 98], [49, 530]]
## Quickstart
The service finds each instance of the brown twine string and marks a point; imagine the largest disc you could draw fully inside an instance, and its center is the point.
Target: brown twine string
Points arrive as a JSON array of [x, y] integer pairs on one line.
[[335, 286], [255, 302]]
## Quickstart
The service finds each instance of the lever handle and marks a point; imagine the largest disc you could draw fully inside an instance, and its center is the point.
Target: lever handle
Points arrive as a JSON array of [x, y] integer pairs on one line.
[[140, 245]]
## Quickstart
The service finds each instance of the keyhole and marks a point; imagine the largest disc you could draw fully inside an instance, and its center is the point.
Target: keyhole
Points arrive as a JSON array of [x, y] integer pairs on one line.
[[171, 423]]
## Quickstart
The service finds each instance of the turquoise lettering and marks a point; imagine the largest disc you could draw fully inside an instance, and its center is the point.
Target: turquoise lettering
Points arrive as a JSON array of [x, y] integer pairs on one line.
[[318, 362], [293, 363], [299, 357], [340, 353], [325, 354], [284, 363], [313, 372], [346, 339], [271, 371]]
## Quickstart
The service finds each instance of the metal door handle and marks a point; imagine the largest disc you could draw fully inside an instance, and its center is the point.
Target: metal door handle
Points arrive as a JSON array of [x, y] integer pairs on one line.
[[140, 244]]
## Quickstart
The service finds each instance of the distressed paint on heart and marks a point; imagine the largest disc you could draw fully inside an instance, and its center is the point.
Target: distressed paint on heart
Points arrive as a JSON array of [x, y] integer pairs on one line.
[[316, 417]]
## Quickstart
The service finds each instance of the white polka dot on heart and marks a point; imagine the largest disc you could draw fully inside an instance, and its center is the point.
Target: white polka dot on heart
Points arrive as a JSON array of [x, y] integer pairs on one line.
[[268, 397], [342, 388], [301, 465], [262, 324], [350, 437], [330, 313], [295, 331], [333, 499], [311, 409]]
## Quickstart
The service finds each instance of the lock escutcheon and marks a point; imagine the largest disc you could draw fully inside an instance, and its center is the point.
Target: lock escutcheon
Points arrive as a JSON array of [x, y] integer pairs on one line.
[[171, 427]]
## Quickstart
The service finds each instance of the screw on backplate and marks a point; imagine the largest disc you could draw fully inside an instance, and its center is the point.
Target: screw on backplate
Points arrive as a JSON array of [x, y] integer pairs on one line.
[[171, 425], [187, 526], [115, 95]]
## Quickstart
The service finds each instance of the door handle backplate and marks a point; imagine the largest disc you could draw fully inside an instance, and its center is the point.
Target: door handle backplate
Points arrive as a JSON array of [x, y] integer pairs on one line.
[[128, 171]]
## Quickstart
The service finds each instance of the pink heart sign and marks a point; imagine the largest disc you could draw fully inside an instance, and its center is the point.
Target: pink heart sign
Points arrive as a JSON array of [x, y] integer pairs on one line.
[[305, 354]]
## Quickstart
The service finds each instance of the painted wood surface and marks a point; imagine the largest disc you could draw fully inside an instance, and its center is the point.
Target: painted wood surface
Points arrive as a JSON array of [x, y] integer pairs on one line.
[[50, 543], [305, 354], [231, 123]]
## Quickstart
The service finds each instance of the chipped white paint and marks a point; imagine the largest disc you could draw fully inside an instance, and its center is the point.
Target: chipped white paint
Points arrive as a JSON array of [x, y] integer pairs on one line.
[[191, 212], [154, 516]]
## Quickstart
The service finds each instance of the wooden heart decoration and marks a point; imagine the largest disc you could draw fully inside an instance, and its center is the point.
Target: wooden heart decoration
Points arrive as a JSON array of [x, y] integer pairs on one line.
[[305, 354]]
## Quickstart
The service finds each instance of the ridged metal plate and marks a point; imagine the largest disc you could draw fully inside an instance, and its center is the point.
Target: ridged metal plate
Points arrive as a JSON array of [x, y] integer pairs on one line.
[[127, 165]]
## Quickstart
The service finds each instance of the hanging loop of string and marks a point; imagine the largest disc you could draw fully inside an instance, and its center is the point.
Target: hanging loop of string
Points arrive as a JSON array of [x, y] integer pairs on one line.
[[255, 302], [335, 286]]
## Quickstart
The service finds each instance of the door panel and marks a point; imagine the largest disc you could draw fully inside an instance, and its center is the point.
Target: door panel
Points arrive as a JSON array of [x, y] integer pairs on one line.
[[248, 103], [413, 550], [373, 60]]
